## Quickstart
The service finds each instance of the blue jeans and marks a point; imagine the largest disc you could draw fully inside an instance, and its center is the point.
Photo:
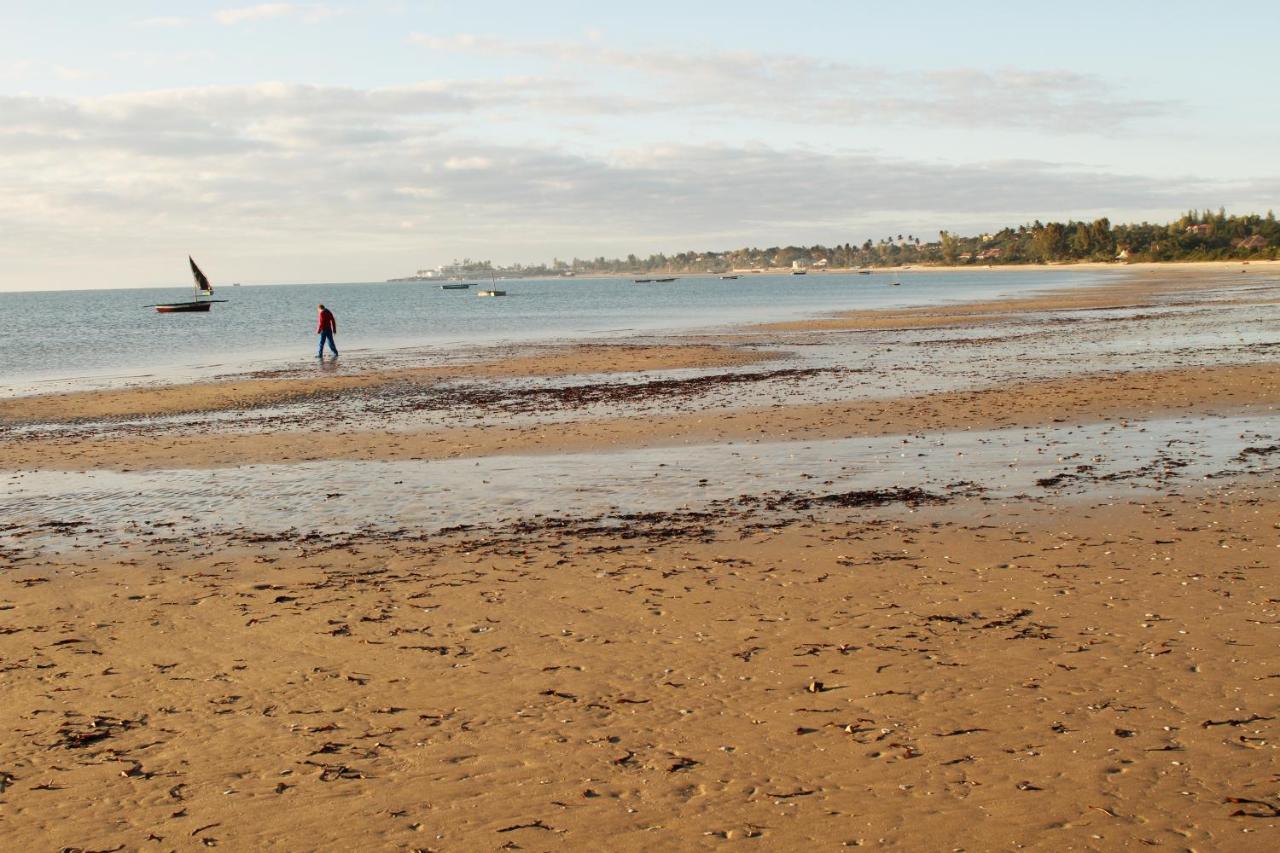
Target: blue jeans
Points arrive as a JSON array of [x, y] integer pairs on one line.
[[326, 336]]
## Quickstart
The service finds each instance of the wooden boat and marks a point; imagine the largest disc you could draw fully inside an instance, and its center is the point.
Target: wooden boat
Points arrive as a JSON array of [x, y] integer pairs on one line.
[[644, 281], [465, 286], [493, 287], [183, 307], [200, 303], [664, 280], [728, 278]]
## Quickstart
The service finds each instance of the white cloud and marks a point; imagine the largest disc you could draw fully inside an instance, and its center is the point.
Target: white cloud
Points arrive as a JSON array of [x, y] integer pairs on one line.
[[328, 174], [255, 13], [360, 161], [459, 164], [310, 13], [63, 72], [163, 22], [793, 88]]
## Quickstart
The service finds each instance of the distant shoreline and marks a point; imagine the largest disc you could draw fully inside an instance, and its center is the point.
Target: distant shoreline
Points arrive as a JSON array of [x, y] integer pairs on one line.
[[1128, 266]]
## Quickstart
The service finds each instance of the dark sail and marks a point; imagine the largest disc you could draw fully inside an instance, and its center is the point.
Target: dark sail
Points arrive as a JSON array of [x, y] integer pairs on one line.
[[202, 283]]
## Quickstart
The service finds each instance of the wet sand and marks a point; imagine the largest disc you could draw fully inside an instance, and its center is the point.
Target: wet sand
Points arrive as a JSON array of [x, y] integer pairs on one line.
[[1086, 664], [288, 386], [1089, 399]]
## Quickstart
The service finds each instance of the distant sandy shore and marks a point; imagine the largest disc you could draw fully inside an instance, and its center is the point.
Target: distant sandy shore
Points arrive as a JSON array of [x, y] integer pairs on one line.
[[1089, 663]]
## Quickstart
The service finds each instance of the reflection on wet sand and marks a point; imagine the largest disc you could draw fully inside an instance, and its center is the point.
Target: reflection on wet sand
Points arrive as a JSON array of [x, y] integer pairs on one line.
[[496, 491]]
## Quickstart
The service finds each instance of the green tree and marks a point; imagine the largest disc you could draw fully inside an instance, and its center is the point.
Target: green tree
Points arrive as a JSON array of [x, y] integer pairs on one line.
[[950, 247]]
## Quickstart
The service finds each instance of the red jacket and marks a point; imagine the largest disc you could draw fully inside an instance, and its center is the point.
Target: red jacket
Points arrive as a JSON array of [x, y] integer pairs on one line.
[[326, 322]]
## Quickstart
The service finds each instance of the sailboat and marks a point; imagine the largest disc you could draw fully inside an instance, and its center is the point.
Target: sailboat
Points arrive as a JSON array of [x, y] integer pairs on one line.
[[493, 288], [200, 299]]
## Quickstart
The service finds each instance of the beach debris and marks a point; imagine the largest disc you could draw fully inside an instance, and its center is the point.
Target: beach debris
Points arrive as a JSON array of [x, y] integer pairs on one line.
[[1242, 721], [536, 824], [99, 728], [1267, 809]]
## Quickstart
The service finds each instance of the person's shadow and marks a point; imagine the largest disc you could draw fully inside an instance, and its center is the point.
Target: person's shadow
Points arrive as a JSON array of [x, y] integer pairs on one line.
[[328, 365]]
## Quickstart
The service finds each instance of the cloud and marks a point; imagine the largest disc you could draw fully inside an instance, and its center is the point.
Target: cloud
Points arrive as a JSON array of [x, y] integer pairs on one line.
[[467, 163], [163, 22], [265, 11], [64, 72], [330, 174], [357, 160], [255, 13], [792, 88]]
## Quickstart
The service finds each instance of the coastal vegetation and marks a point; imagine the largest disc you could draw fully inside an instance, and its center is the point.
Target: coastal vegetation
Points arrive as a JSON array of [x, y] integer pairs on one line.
[[1195, 236]]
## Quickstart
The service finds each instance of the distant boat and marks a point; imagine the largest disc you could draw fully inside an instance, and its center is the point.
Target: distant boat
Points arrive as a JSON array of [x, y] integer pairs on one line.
[[728, 277], [455, 286], [864, 272], [201, 300], [493, 287], [798, 272], [644, 281], [663, 280]]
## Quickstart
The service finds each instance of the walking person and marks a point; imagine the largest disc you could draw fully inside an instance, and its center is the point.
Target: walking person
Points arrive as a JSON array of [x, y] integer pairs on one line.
[[326, 327]]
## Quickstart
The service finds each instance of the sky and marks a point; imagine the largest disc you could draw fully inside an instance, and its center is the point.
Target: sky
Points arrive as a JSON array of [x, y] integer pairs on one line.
[[342, 141]]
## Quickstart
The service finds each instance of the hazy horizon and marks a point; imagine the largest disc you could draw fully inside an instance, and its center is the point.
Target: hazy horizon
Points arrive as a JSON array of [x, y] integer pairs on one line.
[[292, 142]]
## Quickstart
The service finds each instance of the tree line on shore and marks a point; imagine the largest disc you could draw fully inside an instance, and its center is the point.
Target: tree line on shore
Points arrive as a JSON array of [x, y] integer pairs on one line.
[[1195, 236]]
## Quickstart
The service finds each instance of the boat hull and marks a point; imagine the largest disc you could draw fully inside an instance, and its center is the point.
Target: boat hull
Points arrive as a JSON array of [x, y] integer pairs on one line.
[[183, 307]]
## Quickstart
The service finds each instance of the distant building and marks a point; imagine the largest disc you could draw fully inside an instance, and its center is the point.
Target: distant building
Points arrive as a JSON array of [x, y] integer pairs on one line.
[[1257, 241], [1200, 230]]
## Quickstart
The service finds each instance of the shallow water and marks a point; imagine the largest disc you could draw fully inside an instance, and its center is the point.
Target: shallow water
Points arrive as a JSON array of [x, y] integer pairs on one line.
[[424, 497], [874, 364], [73, 339]]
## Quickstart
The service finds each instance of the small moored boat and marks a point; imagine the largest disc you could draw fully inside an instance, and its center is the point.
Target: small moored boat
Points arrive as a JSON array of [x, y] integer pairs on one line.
[[201, 300], [491, 293], [464, 286]]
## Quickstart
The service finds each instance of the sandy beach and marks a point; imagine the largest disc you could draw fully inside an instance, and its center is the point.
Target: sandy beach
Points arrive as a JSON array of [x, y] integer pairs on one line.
[[973, 577]]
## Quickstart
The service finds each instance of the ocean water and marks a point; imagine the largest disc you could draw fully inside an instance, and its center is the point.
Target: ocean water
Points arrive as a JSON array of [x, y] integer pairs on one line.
[[67, 339]]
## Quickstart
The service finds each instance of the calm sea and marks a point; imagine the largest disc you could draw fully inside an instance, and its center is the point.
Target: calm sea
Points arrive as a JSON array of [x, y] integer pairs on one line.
[[67, 339]]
